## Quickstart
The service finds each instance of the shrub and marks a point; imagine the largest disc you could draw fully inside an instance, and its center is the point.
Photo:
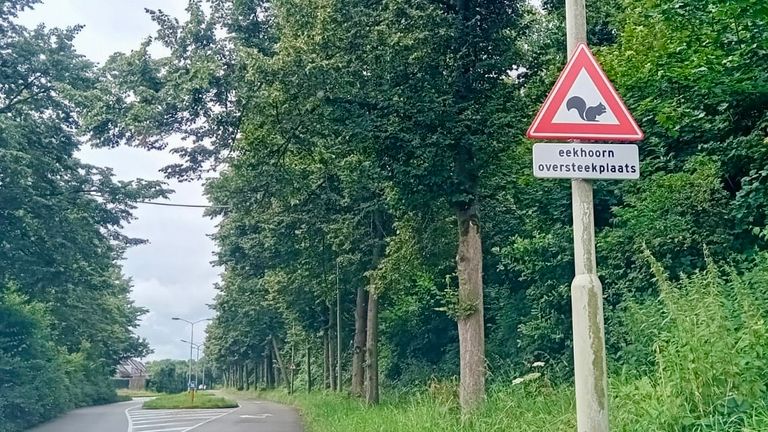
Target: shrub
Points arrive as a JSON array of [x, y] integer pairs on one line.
[[32, 380], [168, 376], [39, 381], [705, 336]]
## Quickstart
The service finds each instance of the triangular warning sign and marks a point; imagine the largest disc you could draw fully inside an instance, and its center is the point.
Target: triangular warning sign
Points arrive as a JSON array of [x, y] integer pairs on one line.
[[583, 105]]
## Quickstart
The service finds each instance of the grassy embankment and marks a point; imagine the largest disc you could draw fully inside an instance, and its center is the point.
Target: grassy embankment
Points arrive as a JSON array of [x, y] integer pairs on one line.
[[124, 395], [696, 361], [510, 409], [137, 393], [184, 401], [532, 407]]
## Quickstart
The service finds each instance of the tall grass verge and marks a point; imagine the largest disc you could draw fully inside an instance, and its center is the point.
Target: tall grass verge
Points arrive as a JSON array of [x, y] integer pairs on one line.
[[699, 364]]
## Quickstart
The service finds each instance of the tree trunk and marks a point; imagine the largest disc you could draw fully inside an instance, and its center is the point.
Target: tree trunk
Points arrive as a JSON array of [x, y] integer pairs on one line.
[[256, 375], [325, 358], [278, 381], [331, 349], [309, 368], [292, 368], [372, 351], [247, 376], [372, 326], [265, 367], [358, 353], [259, 373], [262, 373], [469, 264], [268, 369], [338, 330], [280, 364], [469, 255], [239, 377], [243, 375]]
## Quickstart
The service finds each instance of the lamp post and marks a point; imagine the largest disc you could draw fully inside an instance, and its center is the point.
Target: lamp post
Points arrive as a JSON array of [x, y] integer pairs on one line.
[[197, 360], [191, 341]]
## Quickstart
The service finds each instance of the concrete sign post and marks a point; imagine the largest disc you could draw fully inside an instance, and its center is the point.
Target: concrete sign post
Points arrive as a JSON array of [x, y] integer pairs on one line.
[[583, 105], [589, 361]]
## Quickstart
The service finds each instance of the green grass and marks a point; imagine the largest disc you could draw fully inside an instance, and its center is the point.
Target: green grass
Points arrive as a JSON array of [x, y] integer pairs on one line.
[[518, 408], [184, 401], [636, 406], [137, 393]]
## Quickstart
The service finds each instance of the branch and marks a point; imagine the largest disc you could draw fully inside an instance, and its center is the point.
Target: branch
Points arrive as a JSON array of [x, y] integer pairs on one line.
[[7, 108], [13, 100]]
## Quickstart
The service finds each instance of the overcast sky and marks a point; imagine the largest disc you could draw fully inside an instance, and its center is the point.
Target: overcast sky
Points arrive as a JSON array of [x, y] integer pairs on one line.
[[172, 275]]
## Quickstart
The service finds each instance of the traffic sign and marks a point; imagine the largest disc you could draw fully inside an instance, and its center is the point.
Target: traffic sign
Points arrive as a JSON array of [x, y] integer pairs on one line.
[[583, 105], [586, 161]]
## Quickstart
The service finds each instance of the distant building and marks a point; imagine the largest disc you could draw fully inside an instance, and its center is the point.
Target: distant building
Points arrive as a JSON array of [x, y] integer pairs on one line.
[[134, 372]]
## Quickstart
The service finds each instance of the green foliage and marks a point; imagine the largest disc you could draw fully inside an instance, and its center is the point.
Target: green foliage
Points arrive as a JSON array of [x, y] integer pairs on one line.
[[34, 382], [701, 183], [669, 66], [701, 345], [168, 376], [194, 92], [60, 222], [40, 379], [651, 219]]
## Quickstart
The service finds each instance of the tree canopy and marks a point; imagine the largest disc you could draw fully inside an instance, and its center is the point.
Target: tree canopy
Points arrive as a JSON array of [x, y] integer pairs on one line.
[[365, 132], [67, 319]]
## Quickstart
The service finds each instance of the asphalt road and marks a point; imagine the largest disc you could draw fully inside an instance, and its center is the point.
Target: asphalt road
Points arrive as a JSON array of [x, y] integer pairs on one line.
[[256, 416], [103, 418], [251, 416]]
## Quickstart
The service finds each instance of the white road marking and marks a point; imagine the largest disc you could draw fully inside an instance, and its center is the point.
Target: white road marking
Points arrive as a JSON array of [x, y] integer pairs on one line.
[[210, 420], [257, 416], [141, 420], [183, 428], [143, 423], [135, 426], [180, 415]]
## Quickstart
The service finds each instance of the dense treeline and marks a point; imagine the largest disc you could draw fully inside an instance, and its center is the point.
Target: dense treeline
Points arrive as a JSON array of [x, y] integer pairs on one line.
[[172, 376], [66, 319], [366, 148]]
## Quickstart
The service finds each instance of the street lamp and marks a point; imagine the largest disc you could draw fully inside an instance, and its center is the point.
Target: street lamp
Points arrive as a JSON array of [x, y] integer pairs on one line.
[[197, 360], [191, 340]]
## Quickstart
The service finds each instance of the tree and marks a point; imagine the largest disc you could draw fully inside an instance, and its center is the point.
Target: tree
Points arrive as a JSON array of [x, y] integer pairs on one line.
[[168, 376], [60, 229], [382, 101], [432, 95]]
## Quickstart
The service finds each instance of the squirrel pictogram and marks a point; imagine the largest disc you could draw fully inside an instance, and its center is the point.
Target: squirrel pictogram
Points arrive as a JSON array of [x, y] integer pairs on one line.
[[586, 113]]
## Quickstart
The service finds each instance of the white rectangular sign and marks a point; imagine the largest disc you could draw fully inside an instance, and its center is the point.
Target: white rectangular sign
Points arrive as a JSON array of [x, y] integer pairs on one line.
[[586, 161]]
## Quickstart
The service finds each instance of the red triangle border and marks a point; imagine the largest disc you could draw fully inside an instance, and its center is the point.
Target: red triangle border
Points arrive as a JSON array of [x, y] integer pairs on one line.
[[543, 126]]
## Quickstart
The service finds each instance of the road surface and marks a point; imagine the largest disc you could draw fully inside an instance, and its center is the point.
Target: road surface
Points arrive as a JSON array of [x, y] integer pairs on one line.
[[251, 416]]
